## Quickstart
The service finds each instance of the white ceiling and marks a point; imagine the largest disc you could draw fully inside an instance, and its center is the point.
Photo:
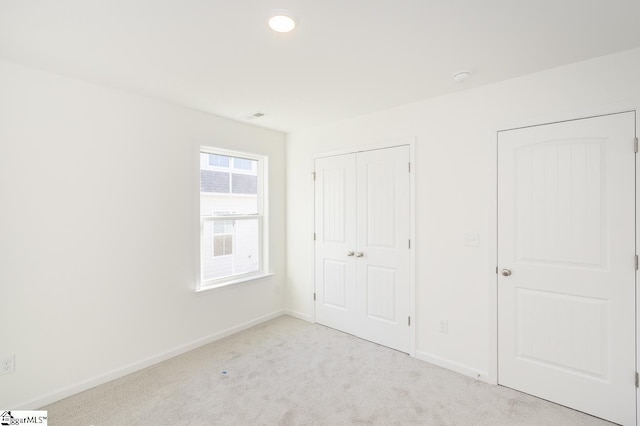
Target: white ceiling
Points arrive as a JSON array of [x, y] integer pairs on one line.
[[345, 58]]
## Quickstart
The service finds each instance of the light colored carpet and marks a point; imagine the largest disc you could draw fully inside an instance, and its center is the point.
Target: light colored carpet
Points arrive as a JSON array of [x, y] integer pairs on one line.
[[287, 372]]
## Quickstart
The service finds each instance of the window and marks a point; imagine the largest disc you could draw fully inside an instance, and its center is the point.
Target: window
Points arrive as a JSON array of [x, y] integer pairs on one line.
[[231, 217]]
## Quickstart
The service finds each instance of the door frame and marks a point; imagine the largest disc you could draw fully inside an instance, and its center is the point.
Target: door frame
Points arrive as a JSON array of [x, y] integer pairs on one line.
[[492, 277], [411, 143]]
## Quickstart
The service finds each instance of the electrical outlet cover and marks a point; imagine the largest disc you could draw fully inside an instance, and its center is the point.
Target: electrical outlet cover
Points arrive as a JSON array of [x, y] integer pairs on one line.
[[7, 364]]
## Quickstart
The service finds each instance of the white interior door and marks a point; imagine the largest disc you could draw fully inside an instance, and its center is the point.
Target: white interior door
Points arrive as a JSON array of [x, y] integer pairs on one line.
[[362, 254], [566, 259], [383, 240], [335, 228]]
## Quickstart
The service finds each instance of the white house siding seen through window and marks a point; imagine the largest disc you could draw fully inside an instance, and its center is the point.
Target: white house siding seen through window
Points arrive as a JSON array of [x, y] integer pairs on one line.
[[223, 237], [231, 217]]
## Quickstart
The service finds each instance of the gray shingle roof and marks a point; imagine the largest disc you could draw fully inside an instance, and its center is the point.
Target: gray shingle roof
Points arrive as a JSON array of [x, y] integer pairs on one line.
[[218, 182], [211, 181], [245, 184]]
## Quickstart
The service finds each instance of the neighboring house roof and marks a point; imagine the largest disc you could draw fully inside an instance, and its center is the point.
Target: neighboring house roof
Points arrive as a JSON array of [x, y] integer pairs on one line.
[[244, 184], [211, 181], [219, 182]]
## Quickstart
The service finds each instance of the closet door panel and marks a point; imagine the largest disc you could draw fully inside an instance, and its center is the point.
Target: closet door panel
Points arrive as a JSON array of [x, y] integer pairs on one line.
[[383, 219], [335, 228]]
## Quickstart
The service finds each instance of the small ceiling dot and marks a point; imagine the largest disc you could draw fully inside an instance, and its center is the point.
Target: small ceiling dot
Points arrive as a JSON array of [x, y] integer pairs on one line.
[[461, 76]]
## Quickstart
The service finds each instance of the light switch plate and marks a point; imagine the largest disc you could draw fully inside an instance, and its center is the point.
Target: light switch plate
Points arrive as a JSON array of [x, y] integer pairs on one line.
[[472, 239]]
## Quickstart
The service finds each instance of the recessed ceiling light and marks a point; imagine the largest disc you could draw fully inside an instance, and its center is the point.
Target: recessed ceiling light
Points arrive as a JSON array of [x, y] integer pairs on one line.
[[282, 21]]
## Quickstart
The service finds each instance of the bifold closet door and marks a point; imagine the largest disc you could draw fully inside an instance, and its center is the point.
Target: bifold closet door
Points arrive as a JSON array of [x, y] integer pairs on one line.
[[362, 250]]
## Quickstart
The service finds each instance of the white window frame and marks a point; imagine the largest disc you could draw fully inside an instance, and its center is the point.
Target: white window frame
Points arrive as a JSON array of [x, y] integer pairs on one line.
[[261, 216]]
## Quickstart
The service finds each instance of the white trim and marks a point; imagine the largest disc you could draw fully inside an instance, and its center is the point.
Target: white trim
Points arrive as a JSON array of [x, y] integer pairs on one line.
[[75, 388], [239, 279], [392, 143], [453, 366], [196, 223], [637, 110], [388, 144], [492, 139], [568, 115], [492, 247], [299, 315], [211, 149], [214, 194], [263, 203], [312, 240], [414, 243]]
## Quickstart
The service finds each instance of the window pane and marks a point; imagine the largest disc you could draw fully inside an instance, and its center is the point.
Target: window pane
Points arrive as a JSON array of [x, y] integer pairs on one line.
[[244, 184], [212, 181], [222, 245], [243, 163], [232, 253], [218, 160], [246, 250], [223, 192], [223, 226]]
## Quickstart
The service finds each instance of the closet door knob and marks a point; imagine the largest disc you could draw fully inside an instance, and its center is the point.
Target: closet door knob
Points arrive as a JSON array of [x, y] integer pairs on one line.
[[350, 253], [359, 254]]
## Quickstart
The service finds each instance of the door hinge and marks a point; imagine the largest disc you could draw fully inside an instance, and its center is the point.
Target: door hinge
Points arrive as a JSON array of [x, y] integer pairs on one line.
[[635, 144], [314, 297], [409, 242], [409, 321], [409, 167], [637, 380], [314, 175], [637, 262], [314, 236], [496, 269]]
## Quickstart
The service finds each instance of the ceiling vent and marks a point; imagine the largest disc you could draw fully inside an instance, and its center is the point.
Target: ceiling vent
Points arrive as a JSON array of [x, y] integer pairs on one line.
[[254, 115]]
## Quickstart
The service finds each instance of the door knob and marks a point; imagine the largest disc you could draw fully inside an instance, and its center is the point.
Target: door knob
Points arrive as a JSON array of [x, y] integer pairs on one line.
[[359, 254], [506, 272], [350, 253]]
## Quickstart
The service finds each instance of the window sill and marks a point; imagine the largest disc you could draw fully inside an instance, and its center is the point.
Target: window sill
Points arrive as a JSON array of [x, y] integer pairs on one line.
[[233, 282]]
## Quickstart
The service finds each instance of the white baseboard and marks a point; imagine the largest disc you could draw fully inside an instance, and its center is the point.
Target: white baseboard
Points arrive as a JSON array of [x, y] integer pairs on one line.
[[453, 366], [299, 315], [139, 365]]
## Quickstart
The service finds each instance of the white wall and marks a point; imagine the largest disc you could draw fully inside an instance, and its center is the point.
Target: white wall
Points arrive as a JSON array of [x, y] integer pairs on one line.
[[98, 229], [454, 158]]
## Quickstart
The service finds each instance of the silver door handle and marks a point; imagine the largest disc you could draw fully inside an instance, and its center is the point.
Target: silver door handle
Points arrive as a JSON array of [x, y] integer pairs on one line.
[[359, 254], [506, 272], [350, 253]]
